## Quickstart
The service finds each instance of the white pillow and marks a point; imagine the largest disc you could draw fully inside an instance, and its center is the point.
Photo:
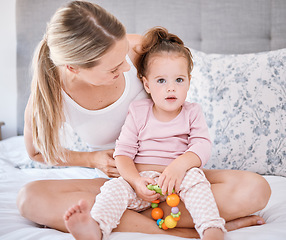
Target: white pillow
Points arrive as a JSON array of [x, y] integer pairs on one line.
[[69, 140], [244, 100]]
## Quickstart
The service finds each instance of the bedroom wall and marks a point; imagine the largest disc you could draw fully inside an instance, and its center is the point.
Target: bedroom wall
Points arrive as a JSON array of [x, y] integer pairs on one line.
[[8, 93]]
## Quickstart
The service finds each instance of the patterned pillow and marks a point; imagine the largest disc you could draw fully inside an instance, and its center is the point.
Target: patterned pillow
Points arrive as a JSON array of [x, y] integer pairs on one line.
[[244, 100], [69, 140]]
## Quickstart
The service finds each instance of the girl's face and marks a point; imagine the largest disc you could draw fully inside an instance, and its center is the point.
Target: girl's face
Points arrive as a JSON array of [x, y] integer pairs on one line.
[[110, 68], [167, 81]]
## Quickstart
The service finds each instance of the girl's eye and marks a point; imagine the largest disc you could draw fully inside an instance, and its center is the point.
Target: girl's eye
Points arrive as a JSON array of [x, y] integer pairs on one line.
[[179, 80], [161, 80]]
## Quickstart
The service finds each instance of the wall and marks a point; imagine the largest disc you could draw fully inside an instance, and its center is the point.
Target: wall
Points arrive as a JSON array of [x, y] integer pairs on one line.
[[8, 93]]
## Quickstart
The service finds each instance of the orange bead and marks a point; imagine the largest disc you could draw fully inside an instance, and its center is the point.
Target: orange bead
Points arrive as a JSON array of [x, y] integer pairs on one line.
[[157, 213], [173, 200], [156, 201], [164, 226], [177, 218]]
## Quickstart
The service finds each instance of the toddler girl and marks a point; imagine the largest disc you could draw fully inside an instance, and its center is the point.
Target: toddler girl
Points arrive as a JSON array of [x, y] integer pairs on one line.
[[164, 141]]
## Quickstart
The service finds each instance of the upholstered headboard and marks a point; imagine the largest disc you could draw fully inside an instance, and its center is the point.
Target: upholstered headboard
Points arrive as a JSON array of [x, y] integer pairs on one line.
[[220, 26]]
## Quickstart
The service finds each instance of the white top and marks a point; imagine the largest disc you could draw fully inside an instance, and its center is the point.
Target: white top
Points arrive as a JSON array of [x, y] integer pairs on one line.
[[100, 128]]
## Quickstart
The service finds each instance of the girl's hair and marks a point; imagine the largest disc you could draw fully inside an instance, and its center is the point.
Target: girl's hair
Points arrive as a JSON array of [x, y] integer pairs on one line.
[[156, 41], [77, 35]]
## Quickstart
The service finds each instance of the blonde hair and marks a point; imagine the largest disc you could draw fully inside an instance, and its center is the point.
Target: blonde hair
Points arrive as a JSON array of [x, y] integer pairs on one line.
[[157, 41], [77, 35]]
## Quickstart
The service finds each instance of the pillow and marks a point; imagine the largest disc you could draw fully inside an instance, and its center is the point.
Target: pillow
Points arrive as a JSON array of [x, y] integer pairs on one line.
[[244, 101], [20, 158]]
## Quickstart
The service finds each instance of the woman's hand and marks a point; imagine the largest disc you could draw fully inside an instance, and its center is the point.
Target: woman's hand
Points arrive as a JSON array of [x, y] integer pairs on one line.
[[140, 187], [104, 161]]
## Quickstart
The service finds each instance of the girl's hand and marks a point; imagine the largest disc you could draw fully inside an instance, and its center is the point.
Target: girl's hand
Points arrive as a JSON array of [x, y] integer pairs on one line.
[[104, 161], [171, 178], [140, 187]]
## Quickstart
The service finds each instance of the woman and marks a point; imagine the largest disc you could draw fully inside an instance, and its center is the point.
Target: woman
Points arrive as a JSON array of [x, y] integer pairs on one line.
[[83, 77]]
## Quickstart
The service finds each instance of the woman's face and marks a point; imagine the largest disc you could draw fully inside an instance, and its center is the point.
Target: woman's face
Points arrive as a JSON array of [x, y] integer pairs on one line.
[[110, 68]]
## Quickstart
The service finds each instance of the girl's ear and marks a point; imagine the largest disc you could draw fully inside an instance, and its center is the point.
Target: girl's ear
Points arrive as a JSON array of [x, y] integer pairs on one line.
[[72, 69], [146, 84]]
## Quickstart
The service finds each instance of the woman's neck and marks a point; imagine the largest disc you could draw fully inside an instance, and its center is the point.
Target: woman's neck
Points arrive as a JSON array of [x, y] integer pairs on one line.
[[93, 97]]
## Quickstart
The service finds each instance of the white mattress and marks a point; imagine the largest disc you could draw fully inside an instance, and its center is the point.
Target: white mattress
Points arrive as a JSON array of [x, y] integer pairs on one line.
[[15, 227]]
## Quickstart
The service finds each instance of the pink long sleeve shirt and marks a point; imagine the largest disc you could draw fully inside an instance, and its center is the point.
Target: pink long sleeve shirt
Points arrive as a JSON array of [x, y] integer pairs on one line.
[[150, 141]]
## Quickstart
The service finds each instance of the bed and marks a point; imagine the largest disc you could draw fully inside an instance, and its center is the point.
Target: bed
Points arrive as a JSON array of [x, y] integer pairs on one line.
[[239, 78]]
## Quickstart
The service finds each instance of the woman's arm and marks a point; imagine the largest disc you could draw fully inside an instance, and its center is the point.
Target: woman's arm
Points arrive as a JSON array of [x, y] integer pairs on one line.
[[102, 160]]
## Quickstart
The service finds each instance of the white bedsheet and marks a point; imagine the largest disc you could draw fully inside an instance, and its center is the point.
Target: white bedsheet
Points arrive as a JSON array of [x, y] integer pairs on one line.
[[15, 227]]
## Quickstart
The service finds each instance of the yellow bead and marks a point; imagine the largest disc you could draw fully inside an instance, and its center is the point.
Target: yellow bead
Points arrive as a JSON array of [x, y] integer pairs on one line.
[[170, 222]]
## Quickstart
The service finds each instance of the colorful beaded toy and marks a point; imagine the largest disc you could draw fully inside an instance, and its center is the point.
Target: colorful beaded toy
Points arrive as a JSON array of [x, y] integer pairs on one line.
[[157, 213]]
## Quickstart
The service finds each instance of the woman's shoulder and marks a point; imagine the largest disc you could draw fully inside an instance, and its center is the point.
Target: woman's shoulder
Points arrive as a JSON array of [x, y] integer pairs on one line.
[[134, 46]]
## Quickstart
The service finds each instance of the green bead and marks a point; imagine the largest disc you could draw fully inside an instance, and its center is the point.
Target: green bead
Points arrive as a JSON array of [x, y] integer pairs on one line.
[[175, 215], [155, 188], [154, 205]]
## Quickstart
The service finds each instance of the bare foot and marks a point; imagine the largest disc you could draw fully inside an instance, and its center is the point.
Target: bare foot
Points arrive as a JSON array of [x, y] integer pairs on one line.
[[80, 224], [244, 222]]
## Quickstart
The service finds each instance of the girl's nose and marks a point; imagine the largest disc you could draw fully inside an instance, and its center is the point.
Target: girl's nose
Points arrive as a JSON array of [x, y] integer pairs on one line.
[[170, 87]]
